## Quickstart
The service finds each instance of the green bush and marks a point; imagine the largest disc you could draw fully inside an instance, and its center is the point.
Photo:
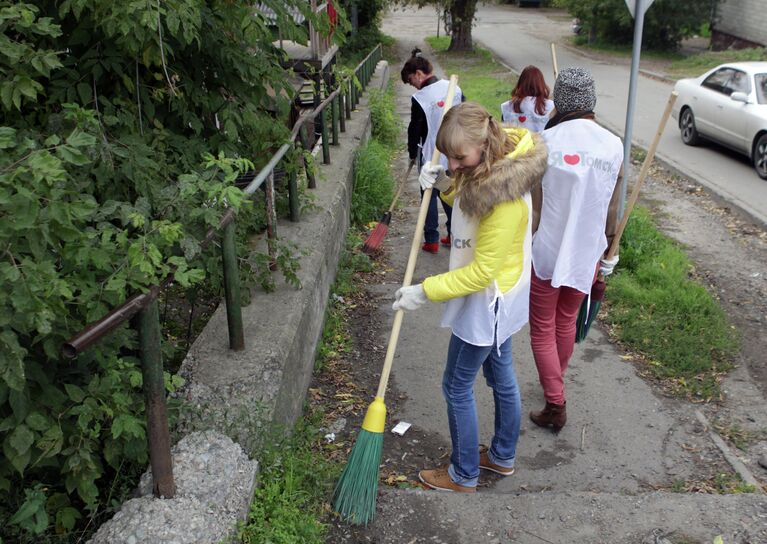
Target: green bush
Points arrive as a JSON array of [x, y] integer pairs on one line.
[[373, 183], [294, 482], [386, 124], [666, 22], [124, 126]]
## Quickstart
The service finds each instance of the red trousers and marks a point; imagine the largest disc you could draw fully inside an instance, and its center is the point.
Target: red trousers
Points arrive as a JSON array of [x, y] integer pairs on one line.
[[553, 313]]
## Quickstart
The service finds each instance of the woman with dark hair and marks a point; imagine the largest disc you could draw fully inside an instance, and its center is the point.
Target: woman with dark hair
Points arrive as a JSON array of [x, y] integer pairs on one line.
[[425, 115], [529, 106]]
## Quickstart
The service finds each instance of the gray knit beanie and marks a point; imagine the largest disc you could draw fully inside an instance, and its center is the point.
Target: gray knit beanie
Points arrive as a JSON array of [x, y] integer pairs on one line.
[[574, 91]]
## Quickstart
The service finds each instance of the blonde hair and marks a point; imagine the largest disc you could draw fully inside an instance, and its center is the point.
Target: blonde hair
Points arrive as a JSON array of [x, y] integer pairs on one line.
[[471, 124]]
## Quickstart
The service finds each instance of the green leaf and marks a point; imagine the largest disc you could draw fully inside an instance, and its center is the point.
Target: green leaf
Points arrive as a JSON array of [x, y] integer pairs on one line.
[[66, 519], [72, 155], [74, 392], [21, 439], [37, 421], [79, 138], [51, 442], [7, 137], [85, 93]]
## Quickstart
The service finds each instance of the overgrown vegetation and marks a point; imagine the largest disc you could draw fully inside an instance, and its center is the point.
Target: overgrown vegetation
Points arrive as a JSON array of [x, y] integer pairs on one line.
[[658, 309], [294, 483], [373, 180], [297, 474], [666, 22], [124, 127], [480, 77]]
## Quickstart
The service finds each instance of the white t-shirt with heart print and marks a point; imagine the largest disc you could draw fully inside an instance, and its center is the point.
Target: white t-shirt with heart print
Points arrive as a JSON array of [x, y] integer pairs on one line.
[[528, 117], [583, 166]]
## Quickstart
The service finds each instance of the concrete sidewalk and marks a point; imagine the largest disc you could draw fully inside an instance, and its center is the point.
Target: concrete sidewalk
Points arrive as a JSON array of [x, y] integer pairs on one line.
[[606, 477]]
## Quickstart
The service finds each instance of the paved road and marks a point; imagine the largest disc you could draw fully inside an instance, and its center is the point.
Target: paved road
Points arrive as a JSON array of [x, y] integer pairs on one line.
[[522, 36]]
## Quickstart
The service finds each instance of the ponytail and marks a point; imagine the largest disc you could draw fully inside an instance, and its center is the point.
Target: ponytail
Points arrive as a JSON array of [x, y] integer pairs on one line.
[[413, 64]]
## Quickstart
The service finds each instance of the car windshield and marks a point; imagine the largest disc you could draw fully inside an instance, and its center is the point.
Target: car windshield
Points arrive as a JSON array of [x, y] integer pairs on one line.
[[761, 88]]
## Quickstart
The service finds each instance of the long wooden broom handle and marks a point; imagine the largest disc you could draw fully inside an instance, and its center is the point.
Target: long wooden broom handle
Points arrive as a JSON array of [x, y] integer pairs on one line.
[[642, 175], [401, 185], [554, 59], [397, 325]]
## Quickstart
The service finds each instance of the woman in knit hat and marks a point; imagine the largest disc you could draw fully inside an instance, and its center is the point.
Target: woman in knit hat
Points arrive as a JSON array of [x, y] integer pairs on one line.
[[574, 219]]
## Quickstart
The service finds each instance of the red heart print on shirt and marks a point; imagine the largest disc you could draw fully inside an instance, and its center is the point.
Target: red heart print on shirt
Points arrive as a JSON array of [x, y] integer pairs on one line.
[[441, 103], [572, 159], [522, 118]]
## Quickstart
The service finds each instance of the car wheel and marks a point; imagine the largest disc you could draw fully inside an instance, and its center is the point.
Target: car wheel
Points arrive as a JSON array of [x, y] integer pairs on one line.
[[690, 134], [760, 156]]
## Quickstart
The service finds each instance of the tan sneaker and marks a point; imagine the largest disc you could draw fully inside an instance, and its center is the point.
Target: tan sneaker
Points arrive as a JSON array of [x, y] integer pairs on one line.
[[487, 464], [439, 478]]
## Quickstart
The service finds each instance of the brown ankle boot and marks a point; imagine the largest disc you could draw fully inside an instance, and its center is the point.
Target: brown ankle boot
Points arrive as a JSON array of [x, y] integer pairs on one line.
[[553, 415]]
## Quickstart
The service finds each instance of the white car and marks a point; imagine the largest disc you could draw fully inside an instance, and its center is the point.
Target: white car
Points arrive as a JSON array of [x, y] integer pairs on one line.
[[728, 105]]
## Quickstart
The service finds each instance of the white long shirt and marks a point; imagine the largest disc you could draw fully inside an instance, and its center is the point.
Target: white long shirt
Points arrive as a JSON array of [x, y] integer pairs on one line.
[[583, 166], [528, 117]]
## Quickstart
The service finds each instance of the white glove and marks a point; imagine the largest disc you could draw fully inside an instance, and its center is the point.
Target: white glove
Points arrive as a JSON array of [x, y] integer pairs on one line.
[[606, 265], [433, 175], [411, 297]]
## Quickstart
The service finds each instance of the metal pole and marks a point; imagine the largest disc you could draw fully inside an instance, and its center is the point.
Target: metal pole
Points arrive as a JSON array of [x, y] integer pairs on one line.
[[271, 221], [154, 392], [232, 289], [325, 142], [635, 54], [348, 101], [311, 180], [295, 207], [341, 111], [334, 113]]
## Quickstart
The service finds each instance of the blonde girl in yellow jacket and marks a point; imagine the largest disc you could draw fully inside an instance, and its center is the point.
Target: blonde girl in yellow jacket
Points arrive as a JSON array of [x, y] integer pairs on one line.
[[486, 290]]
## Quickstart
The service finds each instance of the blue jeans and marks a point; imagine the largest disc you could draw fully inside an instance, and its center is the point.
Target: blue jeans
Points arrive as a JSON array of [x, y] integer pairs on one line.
[[431, 227], [463, 363]]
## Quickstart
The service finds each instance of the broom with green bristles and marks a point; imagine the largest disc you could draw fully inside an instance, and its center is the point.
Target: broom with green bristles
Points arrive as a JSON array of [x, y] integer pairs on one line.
[[355, 495]]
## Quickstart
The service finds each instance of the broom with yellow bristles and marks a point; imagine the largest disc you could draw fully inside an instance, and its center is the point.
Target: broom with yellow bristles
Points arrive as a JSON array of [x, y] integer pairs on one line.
[[355, 495]]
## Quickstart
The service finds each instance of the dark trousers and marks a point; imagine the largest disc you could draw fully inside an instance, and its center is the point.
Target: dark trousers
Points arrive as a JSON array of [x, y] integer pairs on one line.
[[431, 227]]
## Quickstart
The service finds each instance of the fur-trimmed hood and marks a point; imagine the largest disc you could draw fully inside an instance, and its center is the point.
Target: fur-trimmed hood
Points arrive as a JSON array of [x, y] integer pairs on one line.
[[510, 178]]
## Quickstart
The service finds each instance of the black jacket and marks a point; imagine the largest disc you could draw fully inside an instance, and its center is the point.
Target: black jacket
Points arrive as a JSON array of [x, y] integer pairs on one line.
[[418, 129]]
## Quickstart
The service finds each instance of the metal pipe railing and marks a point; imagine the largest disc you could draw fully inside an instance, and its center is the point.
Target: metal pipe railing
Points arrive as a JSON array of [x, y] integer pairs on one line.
[[144, 305]]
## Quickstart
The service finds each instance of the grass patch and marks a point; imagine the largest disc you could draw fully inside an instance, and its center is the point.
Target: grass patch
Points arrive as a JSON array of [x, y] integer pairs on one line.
[[696, 65], [373, 183], [657, 309], [385, 123], [480, 77], [623, 50], [295, 481]]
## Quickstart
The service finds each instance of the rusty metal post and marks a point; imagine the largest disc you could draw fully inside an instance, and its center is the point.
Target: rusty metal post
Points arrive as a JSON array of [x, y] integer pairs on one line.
[[334, 113], [348, 100], [341, 111], [311, 179], [232, 288], [271, 220], [325, 142], [295, 205], [154, 393]]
